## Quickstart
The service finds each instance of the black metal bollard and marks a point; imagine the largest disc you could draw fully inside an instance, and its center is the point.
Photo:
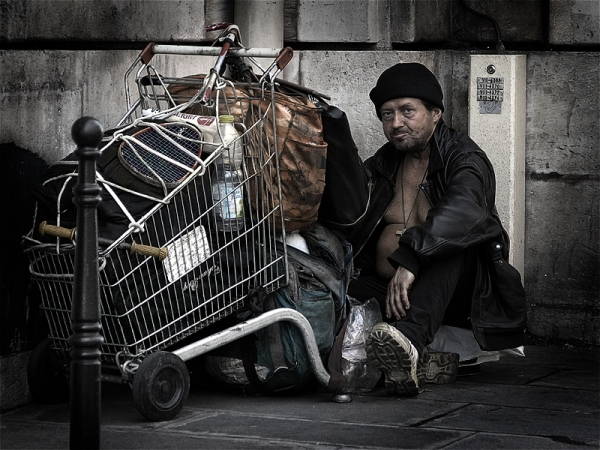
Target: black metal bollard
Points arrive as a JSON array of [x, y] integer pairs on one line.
[[85, 312]]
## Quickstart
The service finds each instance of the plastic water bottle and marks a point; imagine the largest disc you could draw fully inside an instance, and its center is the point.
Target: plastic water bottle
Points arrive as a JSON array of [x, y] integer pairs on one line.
[[227, 187], [233, 154]]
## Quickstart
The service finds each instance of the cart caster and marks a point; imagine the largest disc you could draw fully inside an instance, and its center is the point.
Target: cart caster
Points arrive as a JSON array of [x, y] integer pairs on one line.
[[46, 375], [160, 386]]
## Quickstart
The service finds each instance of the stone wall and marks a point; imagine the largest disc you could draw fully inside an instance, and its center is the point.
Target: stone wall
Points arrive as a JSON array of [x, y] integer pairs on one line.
[[50, 89], [563, 166]]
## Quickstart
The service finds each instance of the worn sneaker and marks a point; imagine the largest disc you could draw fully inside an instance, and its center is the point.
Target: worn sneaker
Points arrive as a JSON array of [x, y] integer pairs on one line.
[[437, 367], [389, 350]]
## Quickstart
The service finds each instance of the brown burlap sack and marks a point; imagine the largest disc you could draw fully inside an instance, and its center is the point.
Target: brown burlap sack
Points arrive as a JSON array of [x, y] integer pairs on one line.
[[295, 122]]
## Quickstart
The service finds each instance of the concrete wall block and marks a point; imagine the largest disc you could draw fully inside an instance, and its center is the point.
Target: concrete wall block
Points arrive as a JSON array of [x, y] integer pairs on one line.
[[420, 20], [456, 95], [339, 20], [565, 324], [563, 125], [51, 89], [518, 20], [562, 259], [402, 18], [447, 20], [412, 21], [563, 242], [261, 22], [42, 94], [574, 22], [217, 11], [109, 20], [351, 75], [290, 20]]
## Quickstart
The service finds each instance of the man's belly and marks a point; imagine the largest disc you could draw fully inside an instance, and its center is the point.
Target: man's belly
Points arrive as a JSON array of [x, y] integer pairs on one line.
[[388, 242]]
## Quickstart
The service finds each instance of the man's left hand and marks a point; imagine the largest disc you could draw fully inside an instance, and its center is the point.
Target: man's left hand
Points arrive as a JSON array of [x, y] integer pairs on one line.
[[397, 302]]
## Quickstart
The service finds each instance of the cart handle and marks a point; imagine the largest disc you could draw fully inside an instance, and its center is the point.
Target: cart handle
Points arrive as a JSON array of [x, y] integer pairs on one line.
[[70, 233], [52, 230], [147, 250], [285, 56], [217, 26], [282, 60], [165, 49]]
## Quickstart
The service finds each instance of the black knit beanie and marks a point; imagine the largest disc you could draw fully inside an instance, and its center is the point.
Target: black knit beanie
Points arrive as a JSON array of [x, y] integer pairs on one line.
[[407, 80]]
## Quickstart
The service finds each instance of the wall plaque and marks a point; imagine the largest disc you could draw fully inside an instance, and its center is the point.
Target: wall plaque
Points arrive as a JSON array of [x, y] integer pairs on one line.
[[490, 94]]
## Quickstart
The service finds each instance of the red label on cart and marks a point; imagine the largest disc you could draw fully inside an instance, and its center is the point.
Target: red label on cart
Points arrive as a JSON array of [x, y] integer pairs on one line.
[[205, 120]]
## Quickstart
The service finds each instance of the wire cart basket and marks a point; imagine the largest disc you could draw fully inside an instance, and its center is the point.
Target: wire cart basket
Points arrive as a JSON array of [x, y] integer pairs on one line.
[[191, 187]]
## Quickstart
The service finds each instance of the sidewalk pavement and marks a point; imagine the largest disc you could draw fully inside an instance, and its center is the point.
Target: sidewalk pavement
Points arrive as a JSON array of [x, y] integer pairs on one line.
[[550, 399]]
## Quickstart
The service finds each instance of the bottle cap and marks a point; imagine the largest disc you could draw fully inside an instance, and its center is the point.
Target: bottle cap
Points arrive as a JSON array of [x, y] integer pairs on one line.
[[226, 118]]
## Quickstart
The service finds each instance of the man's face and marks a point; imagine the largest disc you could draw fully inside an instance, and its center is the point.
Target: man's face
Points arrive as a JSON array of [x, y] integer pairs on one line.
[[408, 124]]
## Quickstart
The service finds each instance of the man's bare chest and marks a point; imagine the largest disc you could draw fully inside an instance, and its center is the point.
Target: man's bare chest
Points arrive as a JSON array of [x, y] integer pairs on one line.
[[409, 205]]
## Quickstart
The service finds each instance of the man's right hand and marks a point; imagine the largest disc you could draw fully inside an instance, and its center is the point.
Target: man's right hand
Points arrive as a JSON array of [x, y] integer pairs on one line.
[[397, 302]]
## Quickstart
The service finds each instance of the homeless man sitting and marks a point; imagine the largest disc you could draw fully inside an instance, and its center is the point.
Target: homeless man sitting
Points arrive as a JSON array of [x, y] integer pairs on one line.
[[430, 247]]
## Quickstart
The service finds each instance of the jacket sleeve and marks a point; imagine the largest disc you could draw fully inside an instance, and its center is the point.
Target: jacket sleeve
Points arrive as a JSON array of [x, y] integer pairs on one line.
[[462, 218]]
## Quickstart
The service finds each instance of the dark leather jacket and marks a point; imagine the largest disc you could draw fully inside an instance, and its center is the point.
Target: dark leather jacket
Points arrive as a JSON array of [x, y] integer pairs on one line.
[[461, 189]]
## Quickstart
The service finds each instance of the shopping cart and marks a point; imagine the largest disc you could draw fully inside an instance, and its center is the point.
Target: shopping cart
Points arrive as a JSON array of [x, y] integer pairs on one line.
[[204, 239]]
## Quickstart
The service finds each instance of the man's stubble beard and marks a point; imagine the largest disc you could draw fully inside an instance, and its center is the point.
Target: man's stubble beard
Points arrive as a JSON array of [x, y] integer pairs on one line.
[[413, 147]]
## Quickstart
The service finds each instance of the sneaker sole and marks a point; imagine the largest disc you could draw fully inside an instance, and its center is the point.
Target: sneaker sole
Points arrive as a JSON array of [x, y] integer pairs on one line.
[[438, 368], [387, 349]]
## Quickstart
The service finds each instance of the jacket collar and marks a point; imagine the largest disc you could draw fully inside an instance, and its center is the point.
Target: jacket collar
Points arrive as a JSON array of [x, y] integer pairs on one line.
[[438, 140]]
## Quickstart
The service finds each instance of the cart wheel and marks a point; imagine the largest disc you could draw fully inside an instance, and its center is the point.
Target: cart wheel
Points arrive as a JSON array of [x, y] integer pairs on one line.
[[46, 375], [160, 386]]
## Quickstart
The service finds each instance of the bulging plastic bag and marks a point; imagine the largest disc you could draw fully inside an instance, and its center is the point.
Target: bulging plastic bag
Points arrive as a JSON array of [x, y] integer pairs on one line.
[[348, 363]]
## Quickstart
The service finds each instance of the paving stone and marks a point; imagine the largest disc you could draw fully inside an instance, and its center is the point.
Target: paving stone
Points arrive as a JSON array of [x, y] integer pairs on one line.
[[13, 389], [566, 426], [518, 396], [556, 357], [29, 434], [480, 441], [117, 406], [320, 432], [507, 373], [363, 409], [572, 379], [56, 436], [117, 409], [498, 416]]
